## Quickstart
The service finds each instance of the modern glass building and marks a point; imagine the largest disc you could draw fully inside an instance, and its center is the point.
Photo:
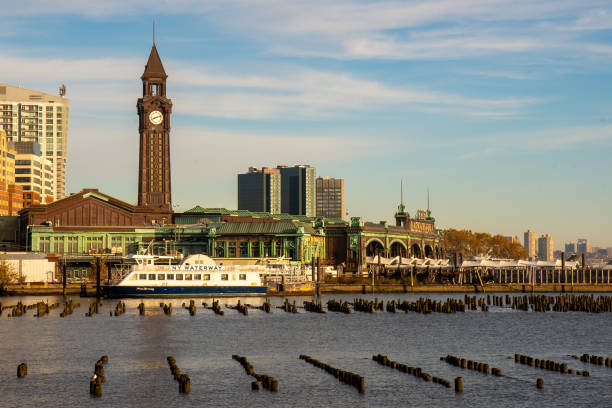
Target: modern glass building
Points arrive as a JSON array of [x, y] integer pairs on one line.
[[260, 190], [298, 190]]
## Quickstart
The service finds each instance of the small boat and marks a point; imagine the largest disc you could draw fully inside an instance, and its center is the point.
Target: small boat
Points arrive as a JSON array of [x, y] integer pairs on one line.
[[196, 275]]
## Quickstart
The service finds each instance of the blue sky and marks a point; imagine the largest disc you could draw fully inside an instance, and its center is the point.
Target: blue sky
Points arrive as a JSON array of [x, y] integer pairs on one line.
[[502, 108]]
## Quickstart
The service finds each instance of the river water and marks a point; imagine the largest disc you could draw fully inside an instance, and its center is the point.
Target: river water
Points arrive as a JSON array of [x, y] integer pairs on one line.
[[61, 352]]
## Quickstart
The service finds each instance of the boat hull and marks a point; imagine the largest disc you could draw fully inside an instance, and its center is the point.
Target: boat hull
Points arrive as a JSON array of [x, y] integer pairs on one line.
[[180, 291]]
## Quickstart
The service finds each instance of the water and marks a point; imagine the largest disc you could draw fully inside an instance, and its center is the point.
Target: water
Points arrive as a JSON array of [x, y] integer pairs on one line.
[[61, 353]]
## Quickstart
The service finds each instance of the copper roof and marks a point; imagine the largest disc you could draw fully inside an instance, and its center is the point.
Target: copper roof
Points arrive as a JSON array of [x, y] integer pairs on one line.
[[154, 67]]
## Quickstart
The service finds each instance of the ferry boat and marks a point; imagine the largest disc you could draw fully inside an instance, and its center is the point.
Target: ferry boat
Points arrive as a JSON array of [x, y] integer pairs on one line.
[[195, 275]]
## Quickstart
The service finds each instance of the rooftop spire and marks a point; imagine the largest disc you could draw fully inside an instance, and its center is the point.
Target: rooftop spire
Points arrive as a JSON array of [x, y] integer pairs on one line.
[[154, 67], [153, 32]]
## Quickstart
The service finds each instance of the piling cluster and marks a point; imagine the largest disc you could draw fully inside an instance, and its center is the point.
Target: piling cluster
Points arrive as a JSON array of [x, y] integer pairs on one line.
[[191, 308], [22, 370], [69, 307], [471, 365], [95, 385], [426, 306], [313, 306], [167, 308], [119, 308], [268, 382], [346, 377], [94, 308], [18, 310], [415, 371], [217, 308], [362, 305], [266, 306], [244, 309], [597, 360], [141, 308], [547, 365], [184, 381], [335, 306], [289, 307]]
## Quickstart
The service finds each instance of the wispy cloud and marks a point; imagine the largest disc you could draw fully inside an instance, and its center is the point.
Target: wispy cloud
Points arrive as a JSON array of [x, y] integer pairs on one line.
[[299, 93]]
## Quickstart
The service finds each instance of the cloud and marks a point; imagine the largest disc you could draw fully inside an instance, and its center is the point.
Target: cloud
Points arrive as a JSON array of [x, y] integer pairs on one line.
[[112, 84]]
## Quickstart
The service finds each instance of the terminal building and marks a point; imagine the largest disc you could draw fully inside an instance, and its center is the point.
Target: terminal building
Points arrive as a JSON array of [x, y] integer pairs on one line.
[[94, 222]]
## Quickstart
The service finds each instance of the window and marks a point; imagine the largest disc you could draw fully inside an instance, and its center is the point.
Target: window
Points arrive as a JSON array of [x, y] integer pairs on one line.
[[242, 276], [151, 276], [179, 276], [224, 276], [73, 245], [161, 276], [45, 243], [188, 276], [170, 276], [198, 277], [58, 245], [142, 276], [206, 276]]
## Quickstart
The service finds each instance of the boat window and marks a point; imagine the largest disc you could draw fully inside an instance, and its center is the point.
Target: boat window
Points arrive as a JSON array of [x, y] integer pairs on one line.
[[142, 276], [224, 276], [170, 276], [151, 276], [242, 276], [206, 276], [179, 276], [161, 276], [188, 276], [198, 277]]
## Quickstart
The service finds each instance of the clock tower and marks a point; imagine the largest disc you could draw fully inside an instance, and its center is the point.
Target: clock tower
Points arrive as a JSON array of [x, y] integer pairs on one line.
[[154, 127]]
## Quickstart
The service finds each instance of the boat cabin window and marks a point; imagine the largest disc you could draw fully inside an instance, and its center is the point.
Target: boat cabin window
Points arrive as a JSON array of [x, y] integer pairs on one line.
[[224, 276], [206, 276], [151, 276], [179, 276], [170, 276], [197, 276], [242, 276], [188, 276], [142, 276], [161, 276]]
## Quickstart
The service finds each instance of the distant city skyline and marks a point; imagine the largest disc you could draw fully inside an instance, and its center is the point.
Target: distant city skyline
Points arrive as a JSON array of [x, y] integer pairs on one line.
[[504, 115]]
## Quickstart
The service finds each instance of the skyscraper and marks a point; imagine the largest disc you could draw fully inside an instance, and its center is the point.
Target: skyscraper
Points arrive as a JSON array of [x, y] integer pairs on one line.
[[34, 173], [570, 248], [583, 246], [260, 190], [32, 116], [298, 190], [154, 109], [530, 244], [545, 248], [11, 195], [330, 197]]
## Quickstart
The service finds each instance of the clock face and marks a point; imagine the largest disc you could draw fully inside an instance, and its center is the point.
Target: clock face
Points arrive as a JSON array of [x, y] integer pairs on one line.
[[156, 117]]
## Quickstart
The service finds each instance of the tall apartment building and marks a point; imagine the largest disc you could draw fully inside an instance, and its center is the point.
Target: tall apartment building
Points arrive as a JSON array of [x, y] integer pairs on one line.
[[330, 197], [546, 248], [11, 195], [32, 116], [34, 173], [260, 190], [529, 240], [583, 246], [298, 190], [570, 248]]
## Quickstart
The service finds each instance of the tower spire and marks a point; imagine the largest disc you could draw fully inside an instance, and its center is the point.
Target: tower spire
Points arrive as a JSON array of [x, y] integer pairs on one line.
[[153, 32], [401, 191], [427, 199]]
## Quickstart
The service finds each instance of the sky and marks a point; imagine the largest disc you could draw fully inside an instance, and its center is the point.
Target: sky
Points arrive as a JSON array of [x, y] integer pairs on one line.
[[503, 109]]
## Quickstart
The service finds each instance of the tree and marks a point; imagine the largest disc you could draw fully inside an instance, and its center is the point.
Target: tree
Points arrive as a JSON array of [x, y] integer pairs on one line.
[[7, 275], [470, 243]]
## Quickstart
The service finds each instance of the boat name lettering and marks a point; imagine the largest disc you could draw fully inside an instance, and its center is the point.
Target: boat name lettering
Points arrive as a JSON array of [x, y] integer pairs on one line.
[[196, 268]]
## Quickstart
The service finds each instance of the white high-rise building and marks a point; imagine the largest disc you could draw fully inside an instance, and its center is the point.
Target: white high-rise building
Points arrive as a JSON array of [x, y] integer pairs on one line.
[[530, 244], [32, 116]]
